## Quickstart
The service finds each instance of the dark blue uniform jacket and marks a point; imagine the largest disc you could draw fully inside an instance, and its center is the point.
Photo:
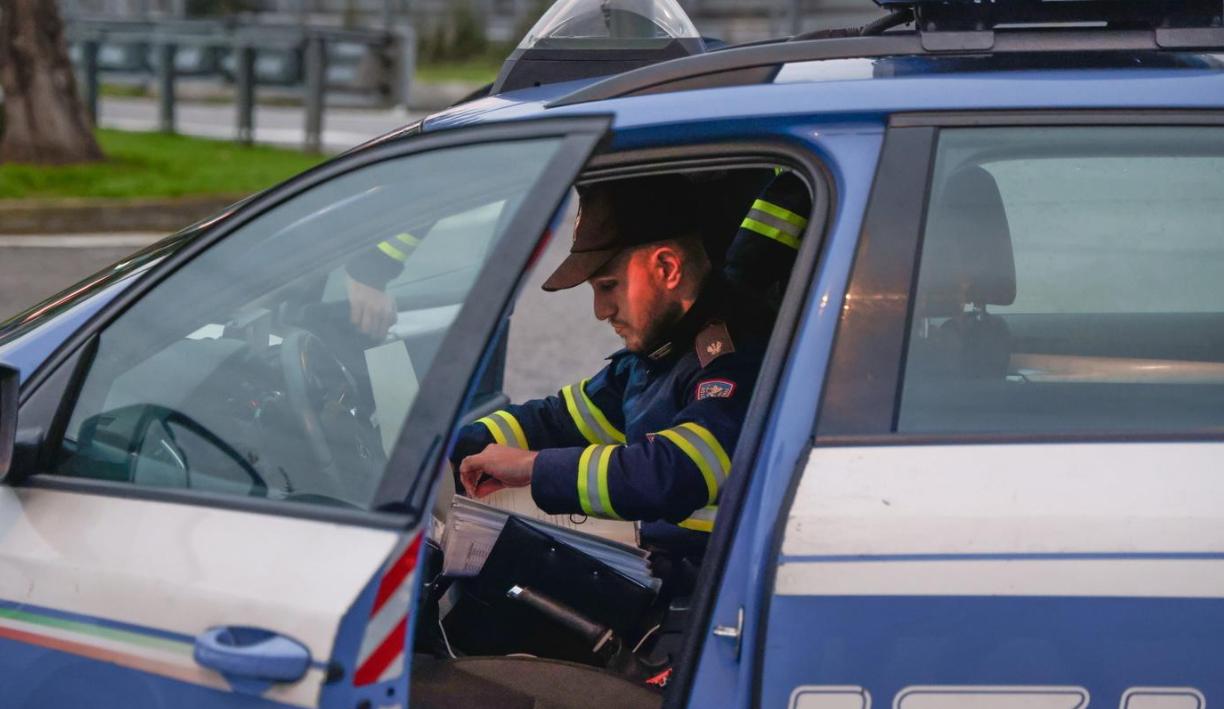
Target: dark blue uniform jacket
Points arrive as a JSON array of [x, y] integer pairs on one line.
[[650, 437]]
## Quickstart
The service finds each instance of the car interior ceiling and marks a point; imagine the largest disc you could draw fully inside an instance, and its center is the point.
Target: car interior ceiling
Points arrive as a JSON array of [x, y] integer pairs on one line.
[[473, 647]]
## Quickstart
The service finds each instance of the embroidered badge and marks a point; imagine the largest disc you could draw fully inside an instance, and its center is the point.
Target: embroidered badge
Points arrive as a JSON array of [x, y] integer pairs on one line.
[[715, 389]]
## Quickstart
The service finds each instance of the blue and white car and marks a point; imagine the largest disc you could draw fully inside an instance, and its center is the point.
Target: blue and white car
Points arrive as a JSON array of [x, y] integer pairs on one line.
[[983, 462]]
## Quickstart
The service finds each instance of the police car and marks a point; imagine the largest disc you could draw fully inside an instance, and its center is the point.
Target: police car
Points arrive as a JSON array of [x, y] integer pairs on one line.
[[982, 463]]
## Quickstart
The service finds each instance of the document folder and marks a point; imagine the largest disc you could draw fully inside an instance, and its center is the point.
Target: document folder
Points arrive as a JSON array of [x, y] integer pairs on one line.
[[486, 621]]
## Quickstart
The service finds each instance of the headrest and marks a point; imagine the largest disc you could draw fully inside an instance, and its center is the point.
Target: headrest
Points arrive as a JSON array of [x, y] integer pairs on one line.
[[967, 252]]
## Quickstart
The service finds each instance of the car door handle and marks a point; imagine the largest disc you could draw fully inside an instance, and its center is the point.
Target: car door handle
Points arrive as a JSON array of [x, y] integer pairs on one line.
[[244, 655]]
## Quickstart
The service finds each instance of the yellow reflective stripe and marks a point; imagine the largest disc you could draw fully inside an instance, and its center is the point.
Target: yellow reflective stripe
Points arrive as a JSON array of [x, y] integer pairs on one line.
[[495, 429], [515, 429], [408, 239], [393, 252], [605, 498], [782, 213], [610, 431], [505, 429], [593, 495], [575, 413], [724, 461], [770, 232], [702, 520], [584, 493], [703, 464]]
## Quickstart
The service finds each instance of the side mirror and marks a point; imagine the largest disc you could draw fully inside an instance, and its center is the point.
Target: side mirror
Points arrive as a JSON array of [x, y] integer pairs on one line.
[[10, 384]]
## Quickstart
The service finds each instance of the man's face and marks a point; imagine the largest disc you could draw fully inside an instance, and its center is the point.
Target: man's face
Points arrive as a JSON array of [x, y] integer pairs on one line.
[[635, 293]]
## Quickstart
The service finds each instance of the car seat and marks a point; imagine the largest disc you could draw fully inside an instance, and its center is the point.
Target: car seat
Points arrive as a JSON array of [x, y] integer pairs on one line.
[[967, 262]]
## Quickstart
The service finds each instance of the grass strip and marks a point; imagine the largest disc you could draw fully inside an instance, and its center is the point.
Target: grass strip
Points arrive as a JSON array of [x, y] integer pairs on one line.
[[477, 71], [157, 165]]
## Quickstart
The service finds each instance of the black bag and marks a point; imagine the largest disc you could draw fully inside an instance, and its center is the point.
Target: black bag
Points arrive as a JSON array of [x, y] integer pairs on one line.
[[485, 621]]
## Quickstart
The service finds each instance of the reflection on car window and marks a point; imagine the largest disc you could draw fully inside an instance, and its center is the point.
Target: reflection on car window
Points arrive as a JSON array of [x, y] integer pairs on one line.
[[283, 361], [1070, 281]]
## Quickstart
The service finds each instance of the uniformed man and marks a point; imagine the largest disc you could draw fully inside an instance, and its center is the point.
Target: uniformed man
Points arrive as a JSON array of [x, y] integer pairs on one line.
[[763, 252], [371, 308], [650, 437]]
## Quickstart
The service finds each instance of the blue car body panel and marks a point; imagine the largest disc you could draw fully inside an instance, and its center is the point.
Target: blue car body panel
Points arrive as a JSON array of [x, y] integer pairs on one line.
[[850, 151], [1071, 89], [1104, 645], [830, 640], [64, 678]]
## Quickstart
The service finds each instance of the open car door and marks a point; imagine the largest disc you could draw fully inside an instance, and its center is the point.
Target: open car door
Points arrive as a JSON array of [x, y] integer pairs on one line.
[[219, 484]]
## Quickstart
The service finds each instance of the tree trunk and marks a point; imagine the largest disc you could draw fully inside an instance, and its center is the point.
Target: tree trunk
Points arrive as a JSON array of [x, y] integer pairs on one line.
[[44, 120]]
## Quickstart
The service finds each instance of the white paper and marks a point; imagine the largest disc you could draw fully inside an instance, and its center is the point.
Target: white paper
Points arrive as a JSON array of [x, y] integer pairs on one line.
[[472, 529], [518, 501], [466, 548], [395, 385]]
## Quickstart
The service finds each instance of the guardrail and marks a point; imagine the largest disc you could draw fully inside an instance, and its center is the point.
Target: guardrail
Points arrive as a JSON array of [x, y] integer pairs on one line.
[[316, 58]]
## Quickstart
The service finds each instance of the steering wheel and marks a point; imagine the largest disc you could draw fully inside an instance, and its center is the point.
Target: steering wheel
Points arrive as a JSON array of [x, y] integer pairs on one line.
[[316, 381]]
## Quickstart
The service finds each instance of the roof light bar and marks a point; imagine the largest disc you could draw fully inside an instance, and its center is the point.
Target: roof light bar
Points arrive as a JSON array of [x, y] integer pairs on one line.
[[578, 39], [969, 15]]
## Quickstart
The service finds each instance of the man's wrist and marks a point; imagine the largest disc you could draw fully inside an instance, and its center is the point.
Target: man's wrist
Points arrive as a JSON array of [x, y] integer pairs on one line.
[[529, 463]]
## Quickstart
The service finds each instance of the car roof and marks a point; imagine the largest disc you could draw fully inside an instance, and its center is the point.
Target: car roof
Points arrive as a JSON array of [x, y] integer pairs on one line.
[[872, 87]]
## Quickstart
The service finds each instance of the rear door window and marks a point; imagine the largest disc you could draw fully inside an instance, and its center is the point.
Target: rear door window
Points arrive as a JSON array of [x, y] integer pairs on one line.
[[1070, 279]]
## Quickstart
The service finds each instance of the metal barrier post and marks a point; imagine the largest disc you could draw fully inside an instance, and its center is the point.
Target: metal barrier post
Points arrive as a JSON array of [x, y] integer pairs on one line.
[[316, 87], [165, 86], [794, 17], [89, 78], [390, 75], [405, 64], [245, 90]]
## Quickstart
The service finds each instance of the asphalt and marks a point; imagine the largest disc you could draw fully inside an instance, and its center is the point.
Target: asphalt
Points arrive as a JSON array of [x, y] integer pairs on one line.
[[33, 268]]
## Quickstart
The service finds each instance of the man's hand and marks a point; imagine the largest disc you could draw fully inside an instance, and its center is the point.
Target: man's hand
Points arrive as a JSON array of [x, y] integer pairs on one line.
[[371, 310], [494, 468]]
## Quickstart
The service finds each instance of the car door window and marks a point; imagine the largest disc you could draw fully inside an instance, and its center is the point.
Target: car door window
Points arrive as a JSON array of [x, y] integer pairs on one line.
[[1070, 281], [243, 373]]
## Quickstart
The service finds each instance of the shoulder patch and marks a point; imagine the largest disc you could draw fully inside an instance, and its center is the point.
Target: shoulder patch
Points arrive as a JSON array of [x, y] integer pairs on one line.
[[715, 389], [713, 342]]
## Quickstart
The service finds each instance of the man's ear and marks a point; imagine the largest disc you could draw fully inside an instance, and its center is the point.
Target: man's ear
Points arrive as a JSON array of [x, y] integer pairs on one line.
[[669, 265]]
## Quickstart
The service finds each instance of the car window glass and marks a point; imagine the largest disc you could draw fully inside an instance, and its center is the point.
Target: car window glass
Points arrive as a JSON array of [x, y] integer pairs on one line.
[[250, 371], [1070, 281]]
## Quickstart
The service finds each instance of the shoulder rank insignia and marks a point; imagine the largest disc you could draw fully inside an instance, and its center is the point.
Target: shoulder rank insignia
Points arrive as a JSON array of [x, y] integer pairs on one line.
[[713, 342]]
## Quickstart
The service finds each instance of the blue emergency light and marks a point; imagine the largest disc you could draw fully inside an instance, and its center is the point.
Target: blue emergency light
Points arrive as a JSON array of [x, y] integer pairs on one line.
[[579, 39], [946, 15]]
